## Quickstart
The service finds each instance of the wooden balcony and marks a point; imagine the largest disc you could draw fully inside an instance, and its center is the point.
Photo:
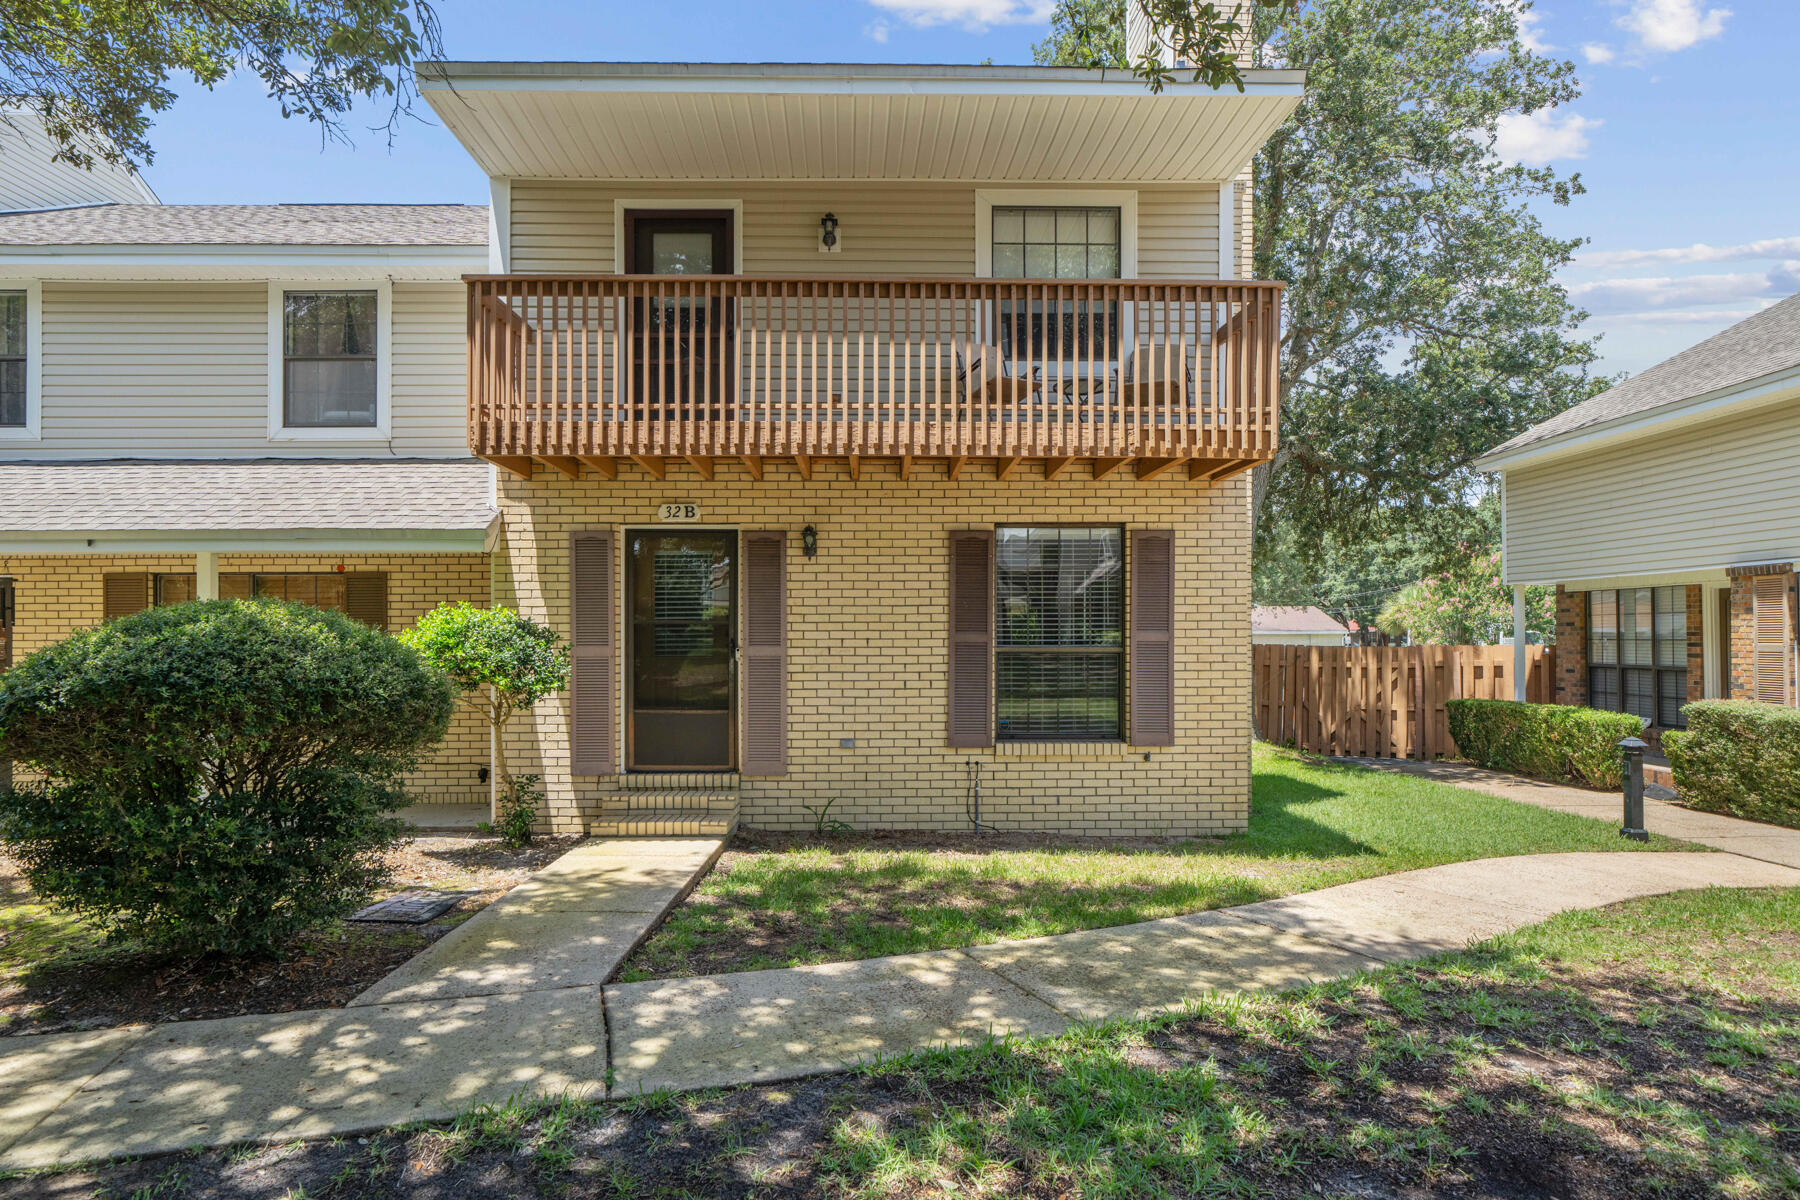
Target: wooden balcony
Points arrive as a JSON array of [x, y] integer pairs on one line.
[[575, 371]]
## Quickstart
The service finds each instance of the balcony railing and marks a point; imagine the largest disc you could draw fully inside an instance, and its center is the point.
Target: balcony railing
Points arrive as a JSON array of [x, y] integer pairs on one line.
[[699, 367]]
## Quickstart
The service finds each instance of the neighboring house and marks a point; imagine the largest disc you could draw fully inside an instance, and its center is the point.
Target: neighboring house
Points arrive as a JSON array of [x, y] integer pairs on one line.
[[1667, 513], [32, 177], [879, 436], [1296, 625], [241, 400]]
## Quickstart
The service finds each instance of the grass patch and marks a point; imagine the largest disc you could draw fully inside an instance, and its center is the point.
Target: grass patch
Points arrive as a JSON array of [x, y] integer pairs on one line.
[[1649, 1050], [777, 901]]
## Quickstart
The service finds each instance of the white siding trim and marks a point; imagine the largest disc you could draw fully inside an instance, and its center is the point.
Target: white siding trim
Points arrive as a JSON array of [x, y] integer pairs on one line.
[[734, 205], [32, 430], [384, 362], [1228, 255], [1711, 625], [1125, 201], [499, 226]]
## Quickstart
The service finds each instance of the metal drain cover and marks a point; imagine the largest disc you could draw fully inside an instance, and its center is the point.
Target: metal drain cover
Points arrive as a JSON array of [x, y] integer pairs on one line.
[[412, 907]]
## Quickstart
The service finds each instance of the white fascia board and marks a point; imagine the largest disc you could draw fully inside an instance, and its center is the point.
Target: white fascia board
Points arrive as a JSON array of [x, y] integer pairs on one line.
[[839, 80], [413, 263], [1703, 576], [246, 541], [1739, 397]]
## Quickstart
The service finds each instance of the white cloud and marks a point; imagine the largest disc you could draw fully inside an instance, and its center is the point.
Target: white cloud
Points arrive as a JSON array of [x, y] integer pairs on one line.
[[877, 31], [1683, 292], [1531, 33], [1540, 137], [973, 15], [1720, 317], [1699, 252], [1665, 26], [1597, 53]]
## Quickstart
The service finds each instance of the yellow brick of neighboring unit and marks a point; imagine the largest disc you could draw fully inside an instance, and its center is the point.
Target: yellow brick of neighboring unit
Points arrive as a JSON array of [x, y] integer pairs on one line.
[[868, 645], [54, 595]]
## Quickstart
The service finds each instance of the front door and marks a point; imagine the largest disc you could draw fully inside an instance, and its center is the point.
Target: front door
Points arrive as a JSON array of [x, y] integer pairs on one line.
[[681, 590], [682, 342]]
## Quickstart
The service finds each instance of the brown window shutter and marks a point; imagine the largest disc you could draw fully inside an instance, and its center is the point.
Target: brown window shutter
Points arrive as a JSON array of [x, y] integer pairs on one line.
[[971, 637], [1772, 639], [365, 597], [1151, 631], [122, 595], [591, 624], [765, 652]]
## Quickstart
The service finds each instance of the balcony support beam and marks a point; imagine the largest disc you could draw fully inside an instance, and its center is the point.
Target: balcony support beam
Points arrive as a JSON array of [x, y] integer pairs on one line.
[[853, 464], [803, 464], [606, 465], [563, 465], [1150, 468], [954, 467], [1212, 471], [514, 464], [1106, 466], [1004, 467], [906, 467], [702, 464], [753, 463], [1056, 466], [656, 468]]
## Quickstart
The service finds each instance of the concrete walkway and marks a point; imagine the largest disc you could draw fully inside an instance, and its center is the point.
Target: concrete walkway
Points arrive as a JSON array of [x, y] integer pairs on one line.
[[1770, 843], [507, 1002], [511, 1002]]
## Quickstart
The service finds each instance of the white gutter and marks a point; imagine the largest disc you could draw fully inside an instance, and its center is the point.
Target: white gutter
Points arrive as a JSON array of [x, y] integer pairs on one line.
[[103, 261], [1746, 396], [247, 541]]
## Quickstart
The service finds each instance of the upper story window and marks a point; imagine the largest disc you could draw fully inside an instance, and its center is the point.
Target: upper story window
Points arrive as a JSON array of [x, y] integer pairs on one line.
[[15, 367], [1637, 653], [1043, 242], [1059, 652], [329, 367]]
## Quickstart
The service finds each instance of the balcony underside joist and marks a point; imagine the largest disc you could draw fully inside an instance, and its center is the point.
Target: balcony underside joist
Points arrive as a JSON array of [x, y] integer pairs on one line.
[[868, 468]]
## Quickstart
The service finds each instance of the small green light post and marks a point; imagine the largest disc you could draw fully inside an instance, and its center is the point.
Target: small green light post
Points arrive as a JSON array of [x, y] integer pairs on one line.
[[1634, 790]]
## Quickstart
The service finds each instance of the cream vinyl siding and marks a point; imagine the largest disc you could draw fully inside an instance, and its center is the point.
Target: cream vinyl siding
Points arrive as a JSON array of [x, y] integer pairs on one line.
[[1704, 497], [31, 178], [181, 370], [886, 229]]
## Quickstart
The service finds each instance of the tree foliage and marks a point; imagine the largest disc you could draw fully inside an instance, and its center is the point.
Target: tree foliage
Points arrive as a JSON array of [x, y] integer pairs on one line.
[[516, 660], [216, 776], [96, 71], [1466, 605], [1423, 323]]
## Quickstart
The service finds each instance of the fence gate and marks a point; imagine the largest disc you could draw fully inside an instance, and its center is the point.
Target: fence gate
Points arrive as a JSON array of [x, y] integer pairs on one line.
[[1383, 701]]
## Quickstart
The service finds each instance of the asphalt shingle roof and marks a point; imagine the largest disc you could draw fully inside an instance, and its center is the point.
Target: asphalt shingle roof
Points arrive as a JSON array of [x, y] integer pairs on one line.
[[1273, 618], [1756, 346], [249, 225], [257, 494]]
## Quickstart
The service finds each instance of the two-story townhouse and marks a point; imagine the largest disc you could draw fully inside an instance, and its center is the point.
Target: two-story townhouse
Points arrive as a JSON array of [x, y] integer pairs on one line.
[[879, 435], [225, 400]]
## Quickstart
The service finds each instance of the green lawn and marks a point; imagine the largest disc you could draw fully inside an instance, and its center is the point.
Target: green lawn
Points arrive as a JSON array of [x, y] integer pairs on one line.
[[775, 902]]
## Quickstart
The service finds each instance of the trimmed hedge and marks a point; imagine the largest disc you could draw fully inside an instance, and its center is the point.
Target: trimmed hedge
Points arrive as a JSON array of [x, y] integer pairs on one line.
[[1548, 741], [1740, 759], [217, 776]]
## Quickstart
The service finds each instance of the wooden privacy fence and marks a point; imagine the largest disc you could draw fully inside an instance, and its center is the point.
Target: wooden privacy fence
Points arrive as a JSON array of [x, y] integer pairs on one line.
[[1383, 701]]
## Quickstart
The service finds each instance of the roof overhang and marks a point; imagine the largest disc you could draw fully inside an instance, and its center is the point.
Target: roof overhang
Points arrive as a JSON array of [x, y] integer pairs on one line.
[[1779, 388], [681, 121], [247, 541], [216, 262]]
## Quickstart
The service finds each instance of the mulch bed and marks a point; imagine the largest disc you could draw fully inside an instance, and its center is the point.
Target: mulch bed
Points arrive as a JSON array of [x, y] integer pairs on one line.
[[94, 987]]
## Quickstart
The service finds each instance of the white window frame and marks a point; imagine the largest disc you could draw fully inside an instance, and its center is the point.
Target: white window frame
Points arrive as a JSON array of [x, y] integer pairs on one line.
[[987, 199], [279, 431], [623, 204], [32, 430]]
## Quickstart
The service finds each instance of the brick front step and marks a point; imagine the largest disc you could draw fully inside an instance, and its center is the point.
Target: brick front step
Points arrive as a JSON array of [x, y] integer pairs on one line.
[[684, 799], [679, 781], [719, 820], [1659, 774]]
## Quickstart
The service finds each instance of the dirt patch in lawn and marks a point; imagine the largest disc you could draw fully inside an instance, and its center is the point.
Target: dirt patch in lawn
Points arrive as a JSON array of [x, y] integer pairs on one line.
[[55, 976]]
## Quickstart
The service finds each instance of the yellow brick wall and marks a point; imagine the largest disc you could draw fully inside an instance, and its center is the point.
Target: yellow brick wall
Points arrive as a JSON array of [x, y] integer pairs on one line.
[[54, 595], [868, 643]]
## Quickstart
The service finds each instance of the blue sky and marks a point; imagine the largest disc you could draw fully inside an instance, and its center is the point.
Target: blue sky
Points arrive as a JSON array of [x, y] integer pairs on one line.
[[1687, 134]]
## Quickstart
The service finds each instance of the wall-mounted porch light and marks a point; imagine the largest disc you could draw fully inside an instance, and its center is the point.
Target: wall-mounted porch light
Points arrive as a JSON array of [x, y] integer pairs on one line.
[[828, 227], [809, 541]]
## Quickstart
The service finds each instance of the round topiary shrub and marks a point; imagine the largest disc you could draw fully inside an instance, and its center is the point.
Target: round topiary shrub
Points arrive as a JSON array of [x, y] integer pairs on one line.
[[216, 776]]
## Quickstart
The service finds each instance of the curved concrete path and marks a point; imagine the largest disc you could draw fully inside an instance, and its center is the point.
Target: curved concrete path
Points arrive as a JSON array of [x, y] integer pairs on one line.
[[451, 1030]]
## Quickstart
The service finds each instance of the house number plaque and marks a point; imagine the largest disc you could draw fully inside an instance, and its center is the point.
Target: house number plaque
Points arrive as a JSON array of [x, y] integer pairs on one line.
[[678, 512]]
